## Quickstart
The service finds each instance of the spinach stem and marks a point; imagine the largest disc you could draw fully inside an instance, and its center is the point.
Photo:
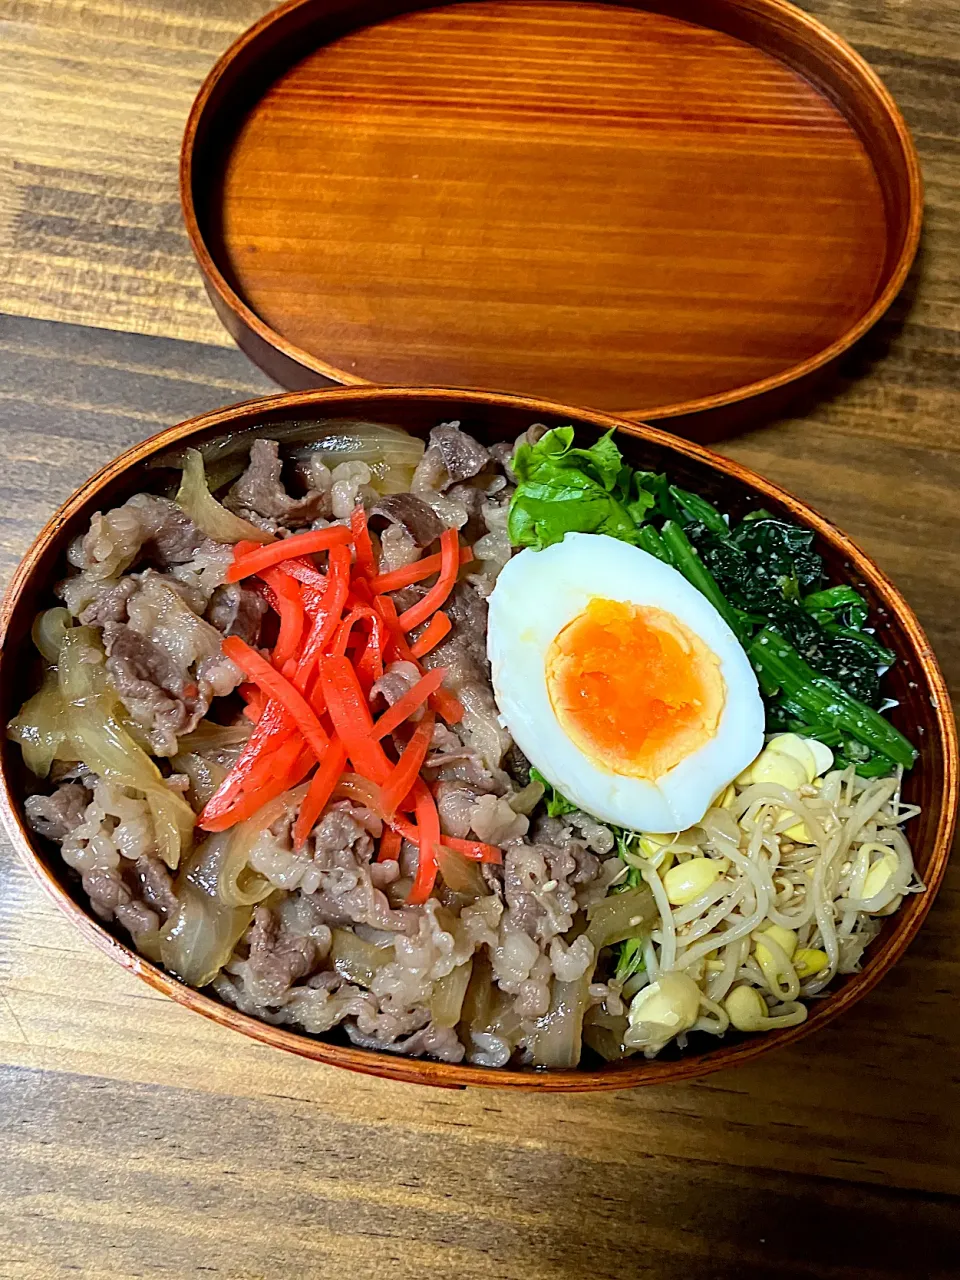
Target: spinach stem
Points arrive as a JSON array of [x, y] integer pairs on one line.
[[824, 700], [685, 558]]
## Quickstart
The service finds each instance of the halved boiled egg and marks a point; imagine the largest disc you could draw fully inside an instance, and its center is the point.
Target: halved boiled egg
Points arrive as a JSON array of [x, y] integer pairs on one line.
[[620, 682]]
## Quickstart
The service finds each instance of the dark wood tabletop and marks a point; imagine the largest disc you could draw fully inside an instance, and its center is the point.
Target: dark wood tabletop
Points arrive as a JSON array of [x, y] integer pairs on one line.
[[139, 1140]]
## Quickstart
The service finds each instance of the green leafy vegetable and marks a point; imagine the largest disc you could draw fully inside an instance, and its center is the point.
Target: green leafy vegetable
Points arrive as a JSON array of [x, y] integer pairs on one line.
[[640, 506], [629, 959], [563, 490], [700, 511], [840, 605], [650, 541], [765, 567], [684, 557], [659, 488], [557, 804], [822, 699], [760, 562]]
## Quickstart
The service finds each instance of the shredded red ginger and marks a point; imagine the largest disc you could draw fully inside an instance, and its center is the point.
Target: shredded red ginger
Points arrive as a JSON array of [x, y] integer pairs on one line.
[[309, 697]]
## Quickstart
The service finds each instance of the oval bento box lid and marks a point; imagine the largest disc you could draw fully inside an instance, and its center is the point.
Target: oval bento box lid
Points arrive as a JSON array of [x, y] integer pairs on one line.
[[665, 209]]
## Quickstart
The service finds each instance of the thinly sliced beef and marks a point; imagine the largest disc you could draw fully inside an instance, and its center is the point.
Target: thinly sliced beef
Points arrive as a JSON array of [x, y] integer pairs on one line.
[[156, 885], [110, 604], [412, 514], [502, 452], [149, 682], [494, 821], [165, 662], [347, 892], [467, 610], [259, 493], [575, 833], [540, 900], [156, 587], [277, 958], [463, 457], [455, 801], [144, 528], [236, 611], [471, 499], [480, 731], [132, 657], [397, 679], [450, 761], [107, 836], [96, 603], [148, 531], [407, 597], [113, 899], [430, 1041], [138, 896], [171, 537], [200, 576], [451, 456], [55, 816]]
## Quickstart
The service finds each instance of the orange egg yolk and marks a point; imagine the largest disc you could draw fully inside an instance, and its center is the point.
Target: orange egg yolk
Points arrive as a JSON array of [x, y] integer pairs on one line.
[[634, 688]]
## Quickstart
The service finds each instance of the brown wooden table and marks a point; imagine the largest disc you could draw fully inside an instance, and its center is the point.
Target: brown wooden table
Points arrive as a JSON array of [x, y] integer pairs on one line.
[[137, 1139]]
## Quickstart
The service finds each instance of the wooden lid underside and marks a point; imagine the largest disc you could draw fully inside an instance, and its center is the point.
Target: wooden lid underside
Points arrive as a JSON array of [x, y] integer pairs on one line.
[[605, 205]]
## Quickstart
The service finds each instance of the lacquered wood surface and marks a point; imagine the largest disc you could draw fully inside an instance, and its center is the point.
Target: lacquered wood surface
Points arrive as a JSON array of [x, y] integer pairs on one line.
[[637, 210], [140, 1140]]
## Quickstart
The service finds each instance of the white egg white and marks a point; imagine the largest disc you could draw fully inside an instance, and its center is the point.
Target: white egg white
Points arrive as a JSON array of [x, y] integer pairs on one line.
[[537, 594]]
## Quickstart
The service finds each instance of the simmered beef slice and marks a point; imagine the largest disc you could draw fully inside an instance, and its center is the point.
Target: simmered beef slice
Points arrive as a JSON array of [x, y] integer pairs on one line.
[[451, 457], [155, 884], [412, 514], [259, 493], [471, 499], [132, 657], [146, 528], [277, 959], [56, 815], [467, 610], [462, 456], [236, 611], [171, 537], [149, 682], [166, 662], [135, 897], [110, 604]]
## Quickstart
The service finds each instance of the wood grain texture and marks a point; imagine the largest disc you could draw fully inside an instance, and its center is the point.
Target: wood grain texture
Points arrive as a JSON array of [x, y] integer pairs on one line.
[[94, 96], [93, 99], [649, 212], [142, 1140], [139, 1140], [920, 704], [350, 1193]]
